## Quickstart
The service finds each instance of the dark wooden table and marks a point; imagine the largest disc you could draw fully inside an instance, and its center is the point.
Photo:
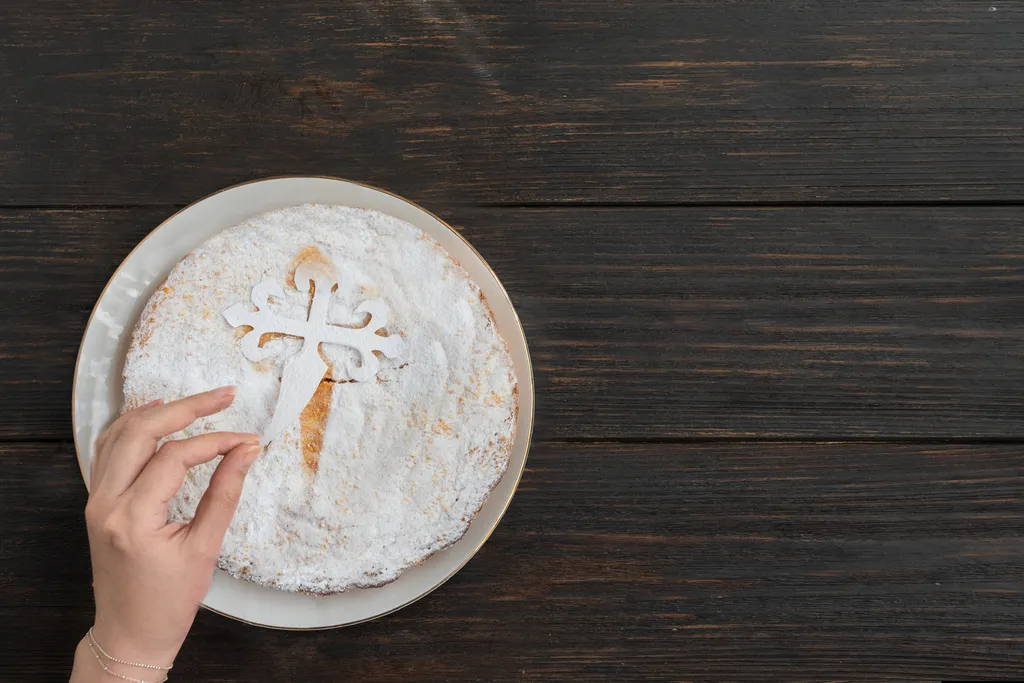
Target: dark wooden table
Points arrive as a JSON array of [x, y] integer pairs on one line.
[[769, 256]]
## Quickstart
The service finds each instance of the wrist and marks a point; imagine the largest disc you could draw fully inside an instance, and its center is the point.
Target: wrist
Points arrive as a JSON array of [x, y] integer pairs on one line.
[[138, 646], [96, 662], [88, 669]]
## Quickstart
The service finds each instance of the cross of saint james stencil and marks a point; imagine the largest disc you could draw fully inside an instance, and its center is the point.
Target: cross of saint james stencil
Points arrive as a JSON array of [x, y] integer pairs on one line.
[[304, 371]]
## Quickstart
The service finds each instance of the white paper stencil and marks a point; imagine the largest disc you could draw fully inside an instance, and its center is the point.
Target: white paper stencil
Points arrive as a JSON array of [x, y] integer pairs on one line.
[[304, 371]]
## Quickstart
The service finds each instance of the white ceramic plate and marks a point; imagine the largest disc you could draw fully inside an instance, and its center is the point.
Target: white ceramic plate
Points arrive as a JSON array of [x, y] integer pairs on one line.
[[97, 390]]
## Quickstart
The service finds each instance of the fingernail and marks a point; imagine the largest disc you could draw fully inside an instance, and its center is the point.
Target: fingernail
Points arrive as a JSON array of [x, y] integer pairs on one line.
[[249, 456], [224, 393]]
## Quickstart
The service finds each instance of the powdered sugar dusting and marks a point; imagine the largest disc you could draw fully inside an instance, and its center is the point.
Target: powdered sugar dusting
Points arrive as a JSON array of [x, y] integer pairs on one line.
[[405, 461]]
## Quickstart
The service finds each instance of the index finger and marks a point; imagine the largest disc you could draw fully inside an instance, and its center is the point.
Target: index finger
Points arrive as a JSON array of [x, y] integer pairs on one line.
[[136, 442], [164, 420]]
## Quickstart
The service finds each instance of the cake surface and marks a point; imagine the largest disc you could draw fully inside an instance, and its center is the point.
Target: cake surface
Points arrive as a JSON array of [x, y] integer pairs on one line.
[[375, 476]]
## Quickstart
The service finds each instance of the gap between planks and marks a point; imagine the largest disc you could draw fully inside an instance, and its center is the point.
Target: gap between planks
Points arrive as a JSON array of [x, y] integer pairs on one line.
[[825, 204]]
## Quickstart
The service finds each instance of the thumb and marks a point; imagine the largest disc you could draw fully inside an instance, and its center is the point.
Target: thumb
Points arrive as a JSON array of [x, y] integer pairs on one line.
[[217, 507]]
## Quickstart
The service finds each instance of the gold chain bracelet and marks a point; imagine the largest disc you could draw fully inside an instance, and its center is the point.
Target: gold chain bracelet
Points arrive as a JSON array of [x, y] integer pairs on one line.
[[98, 650]]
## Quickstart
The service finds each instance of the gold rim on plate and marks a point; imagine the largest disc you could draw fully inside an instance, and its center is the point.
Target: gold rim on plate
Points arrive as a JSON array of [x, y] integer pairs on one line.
[[519, 326]]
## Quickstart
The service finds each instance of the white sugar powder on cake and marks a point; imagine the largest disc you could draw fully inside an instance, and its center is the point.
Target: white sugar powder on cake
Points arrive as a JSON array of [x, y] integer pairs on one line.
[[375, 476]]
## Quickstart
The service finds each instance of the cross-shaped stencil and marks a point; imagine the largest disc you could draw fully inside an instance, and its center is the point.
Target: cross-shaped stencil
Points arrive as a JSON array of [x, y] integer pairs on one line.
[[304, 371]]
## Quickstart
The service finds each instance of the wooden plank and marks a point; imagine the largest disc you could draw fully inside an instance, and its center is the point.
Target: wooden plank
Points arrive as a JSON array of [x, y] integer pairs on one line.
[[626, 563], [810, 323], [481, 102]]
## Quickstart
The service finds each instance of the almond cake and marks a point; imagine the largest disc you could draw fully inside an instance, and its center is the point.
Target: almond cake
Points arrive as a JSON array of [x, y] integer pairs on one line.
[[375, 475]]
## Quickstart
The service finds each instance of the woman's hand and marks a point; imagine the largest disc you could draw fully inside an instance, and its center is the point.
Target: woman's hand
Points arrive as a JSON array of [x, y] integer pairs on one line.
[[149, 575]]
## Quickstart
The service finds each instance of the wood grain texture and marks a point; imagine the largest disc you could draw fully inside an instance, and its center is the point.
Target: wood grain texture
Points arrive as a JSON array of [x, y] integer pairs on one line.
[[660, 323], [626, 563], [120, 102]]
